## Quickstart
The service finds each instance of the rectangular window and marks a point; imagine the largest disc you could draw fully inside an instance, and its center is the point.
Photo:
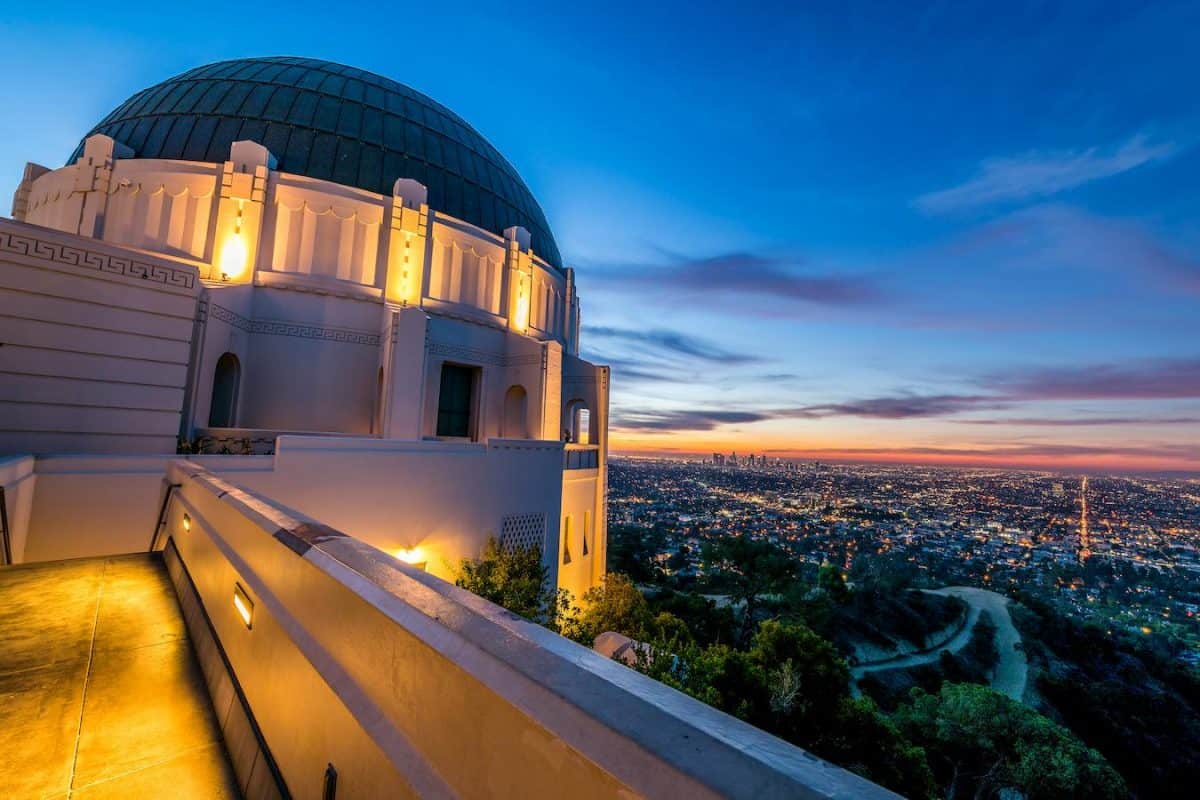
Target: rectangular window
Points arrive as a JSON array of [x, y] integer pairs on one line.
[[566, 537], [587, 530], [455, 401]]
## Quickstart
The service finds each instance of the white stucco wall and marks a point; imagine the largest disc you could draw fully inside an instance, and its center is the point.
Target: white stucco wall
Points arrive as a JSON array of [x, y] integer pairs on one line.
[[445, 498], [95, 505], [94, 344]]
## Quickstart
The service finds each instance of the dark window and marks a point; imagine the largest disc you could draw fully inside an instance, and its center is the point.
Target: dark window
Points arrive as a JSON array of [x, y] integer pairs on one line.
[[454, 401], [226, 378]]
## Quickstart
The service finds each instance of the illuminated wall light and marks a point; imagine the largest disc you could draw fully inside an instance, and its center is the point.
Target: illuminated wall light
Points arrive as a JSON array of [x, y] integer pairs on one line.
[[522, 308], [233, 256], [234, 253], [412, 555], [243, 604], [187, 522]]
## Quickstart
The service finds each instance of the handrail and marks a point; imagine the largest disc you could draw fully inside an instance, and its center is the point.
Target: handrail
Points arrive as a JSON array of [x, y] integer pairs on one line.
[[162, 513], [4, 530]]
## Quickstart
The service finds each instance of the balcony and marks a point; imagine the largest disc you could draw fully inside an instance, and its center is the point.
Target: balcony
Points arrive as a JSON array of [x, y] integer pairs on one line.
[[581, 456]]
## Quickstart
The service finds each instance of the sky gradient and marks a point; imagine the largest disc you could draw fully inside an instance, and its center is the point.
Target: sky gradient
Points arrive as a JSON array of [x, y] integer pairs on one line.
[[960, 233]]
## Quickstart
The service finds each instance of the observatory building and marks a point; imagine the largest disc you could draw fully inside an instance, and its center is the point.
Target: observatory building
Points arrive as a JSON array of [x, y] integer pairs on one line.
[[292, 257], [281, 344]]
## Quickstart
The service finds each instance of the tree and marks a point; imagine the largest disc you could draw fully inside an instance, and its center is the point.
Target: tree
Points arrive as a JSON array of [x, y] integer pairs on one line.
[[615, 605], [792, 683], [749, 569], [707, 622], [981, 743], [515, 578], [833, 583]]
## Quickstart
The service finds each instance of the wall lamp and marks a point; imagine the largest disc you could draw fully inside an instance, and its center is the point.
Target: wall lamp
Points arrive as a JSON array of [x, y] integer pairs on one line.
[[243, 604], [187, 522], [412, 555]]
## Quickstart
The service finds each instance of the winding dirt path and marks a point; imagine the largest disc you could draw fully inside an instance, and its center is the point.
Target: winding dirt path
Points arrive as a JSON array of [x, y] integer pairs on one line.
[[1010, 673]]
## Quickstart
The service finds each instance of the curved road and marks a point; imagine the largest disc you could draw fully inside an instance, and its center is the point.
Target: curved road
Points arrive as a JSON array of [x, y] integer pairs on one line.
[[1010, 671]]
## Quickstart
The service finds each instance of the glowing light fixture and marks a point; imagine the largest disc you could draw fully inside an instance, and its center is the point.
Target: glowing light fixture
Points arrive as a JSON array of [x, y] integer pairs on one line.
[[233, 256], [187, 522], [412, 555], [243, 604]]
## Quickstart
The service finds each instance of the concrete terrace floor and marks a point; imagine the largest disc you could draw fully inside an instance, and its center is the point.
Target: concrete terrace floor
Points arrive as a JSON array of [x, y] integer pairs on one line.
[[100, 693]]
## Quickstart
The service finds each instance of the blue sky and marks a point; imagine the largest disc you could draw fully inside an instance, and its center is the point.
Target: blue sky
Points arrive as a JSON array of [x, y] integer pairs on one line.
[[959, 232]]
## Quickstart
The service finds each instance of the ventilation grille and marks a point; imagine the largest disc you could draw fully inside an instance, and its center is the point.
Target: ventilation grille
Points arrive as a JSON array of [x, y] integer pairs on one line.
[[523, 531]]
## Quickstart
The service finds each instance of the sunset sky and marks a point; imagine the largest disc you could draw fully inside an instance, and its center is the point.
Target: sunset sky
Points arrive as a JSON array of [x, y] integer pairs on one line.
[[965, 233]]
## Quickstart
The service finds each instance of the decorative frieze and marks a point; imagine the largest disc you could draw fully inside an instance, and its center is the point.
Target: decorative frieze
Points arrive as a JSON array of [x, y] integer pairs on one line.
[[58, 253], [300, 330]]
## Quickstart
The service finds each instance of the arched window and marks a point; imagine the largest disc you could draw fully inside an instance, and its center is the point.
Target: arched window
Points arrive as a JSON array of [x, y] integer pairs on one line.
[[515, 411], [227, 378], [577, 423]]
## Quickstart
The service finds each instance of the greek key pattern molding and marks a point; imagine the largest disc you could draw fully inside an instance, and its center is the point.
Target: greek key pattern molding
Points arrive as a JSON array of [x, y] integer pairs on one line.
[[297, 329], [57, 253]]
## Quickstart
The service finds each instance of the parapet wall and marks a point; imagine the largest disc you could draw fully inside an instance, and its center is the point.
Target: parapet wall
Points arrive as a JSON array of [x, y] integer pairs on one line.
[[409, 686]]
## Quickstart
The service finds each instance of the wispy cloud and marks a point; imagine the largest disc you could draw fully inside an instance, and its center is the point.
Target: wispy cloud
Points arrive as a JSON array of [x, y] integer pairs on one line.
[[746, 276], [1037, 173], [1060, 236], [1145, 379], [682, 420], [1068, 422], [1020, 452], [672, 343], [904, 406], [1149, 379]]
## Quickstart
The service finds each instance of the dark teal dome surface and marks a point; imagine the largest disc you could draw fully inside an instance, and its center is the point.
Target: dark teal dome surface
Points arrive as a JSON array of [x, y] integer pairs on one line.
[[332, 122]]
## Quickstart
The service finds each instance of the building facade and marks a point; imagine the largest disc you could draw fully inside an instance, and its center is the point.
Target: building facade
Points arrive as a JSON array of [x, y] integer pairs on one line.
[[282, 247]]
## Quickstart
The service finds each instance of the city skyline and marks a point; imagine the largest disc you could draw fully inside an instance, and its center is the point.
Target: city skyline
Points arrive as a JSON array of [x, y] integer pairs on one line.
[[949, 235]]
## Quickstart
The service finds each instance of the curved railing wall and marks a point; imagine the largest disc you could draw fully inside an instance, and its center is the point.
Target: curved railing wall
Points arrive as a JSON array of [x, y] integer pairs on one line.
[[408, 686]]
